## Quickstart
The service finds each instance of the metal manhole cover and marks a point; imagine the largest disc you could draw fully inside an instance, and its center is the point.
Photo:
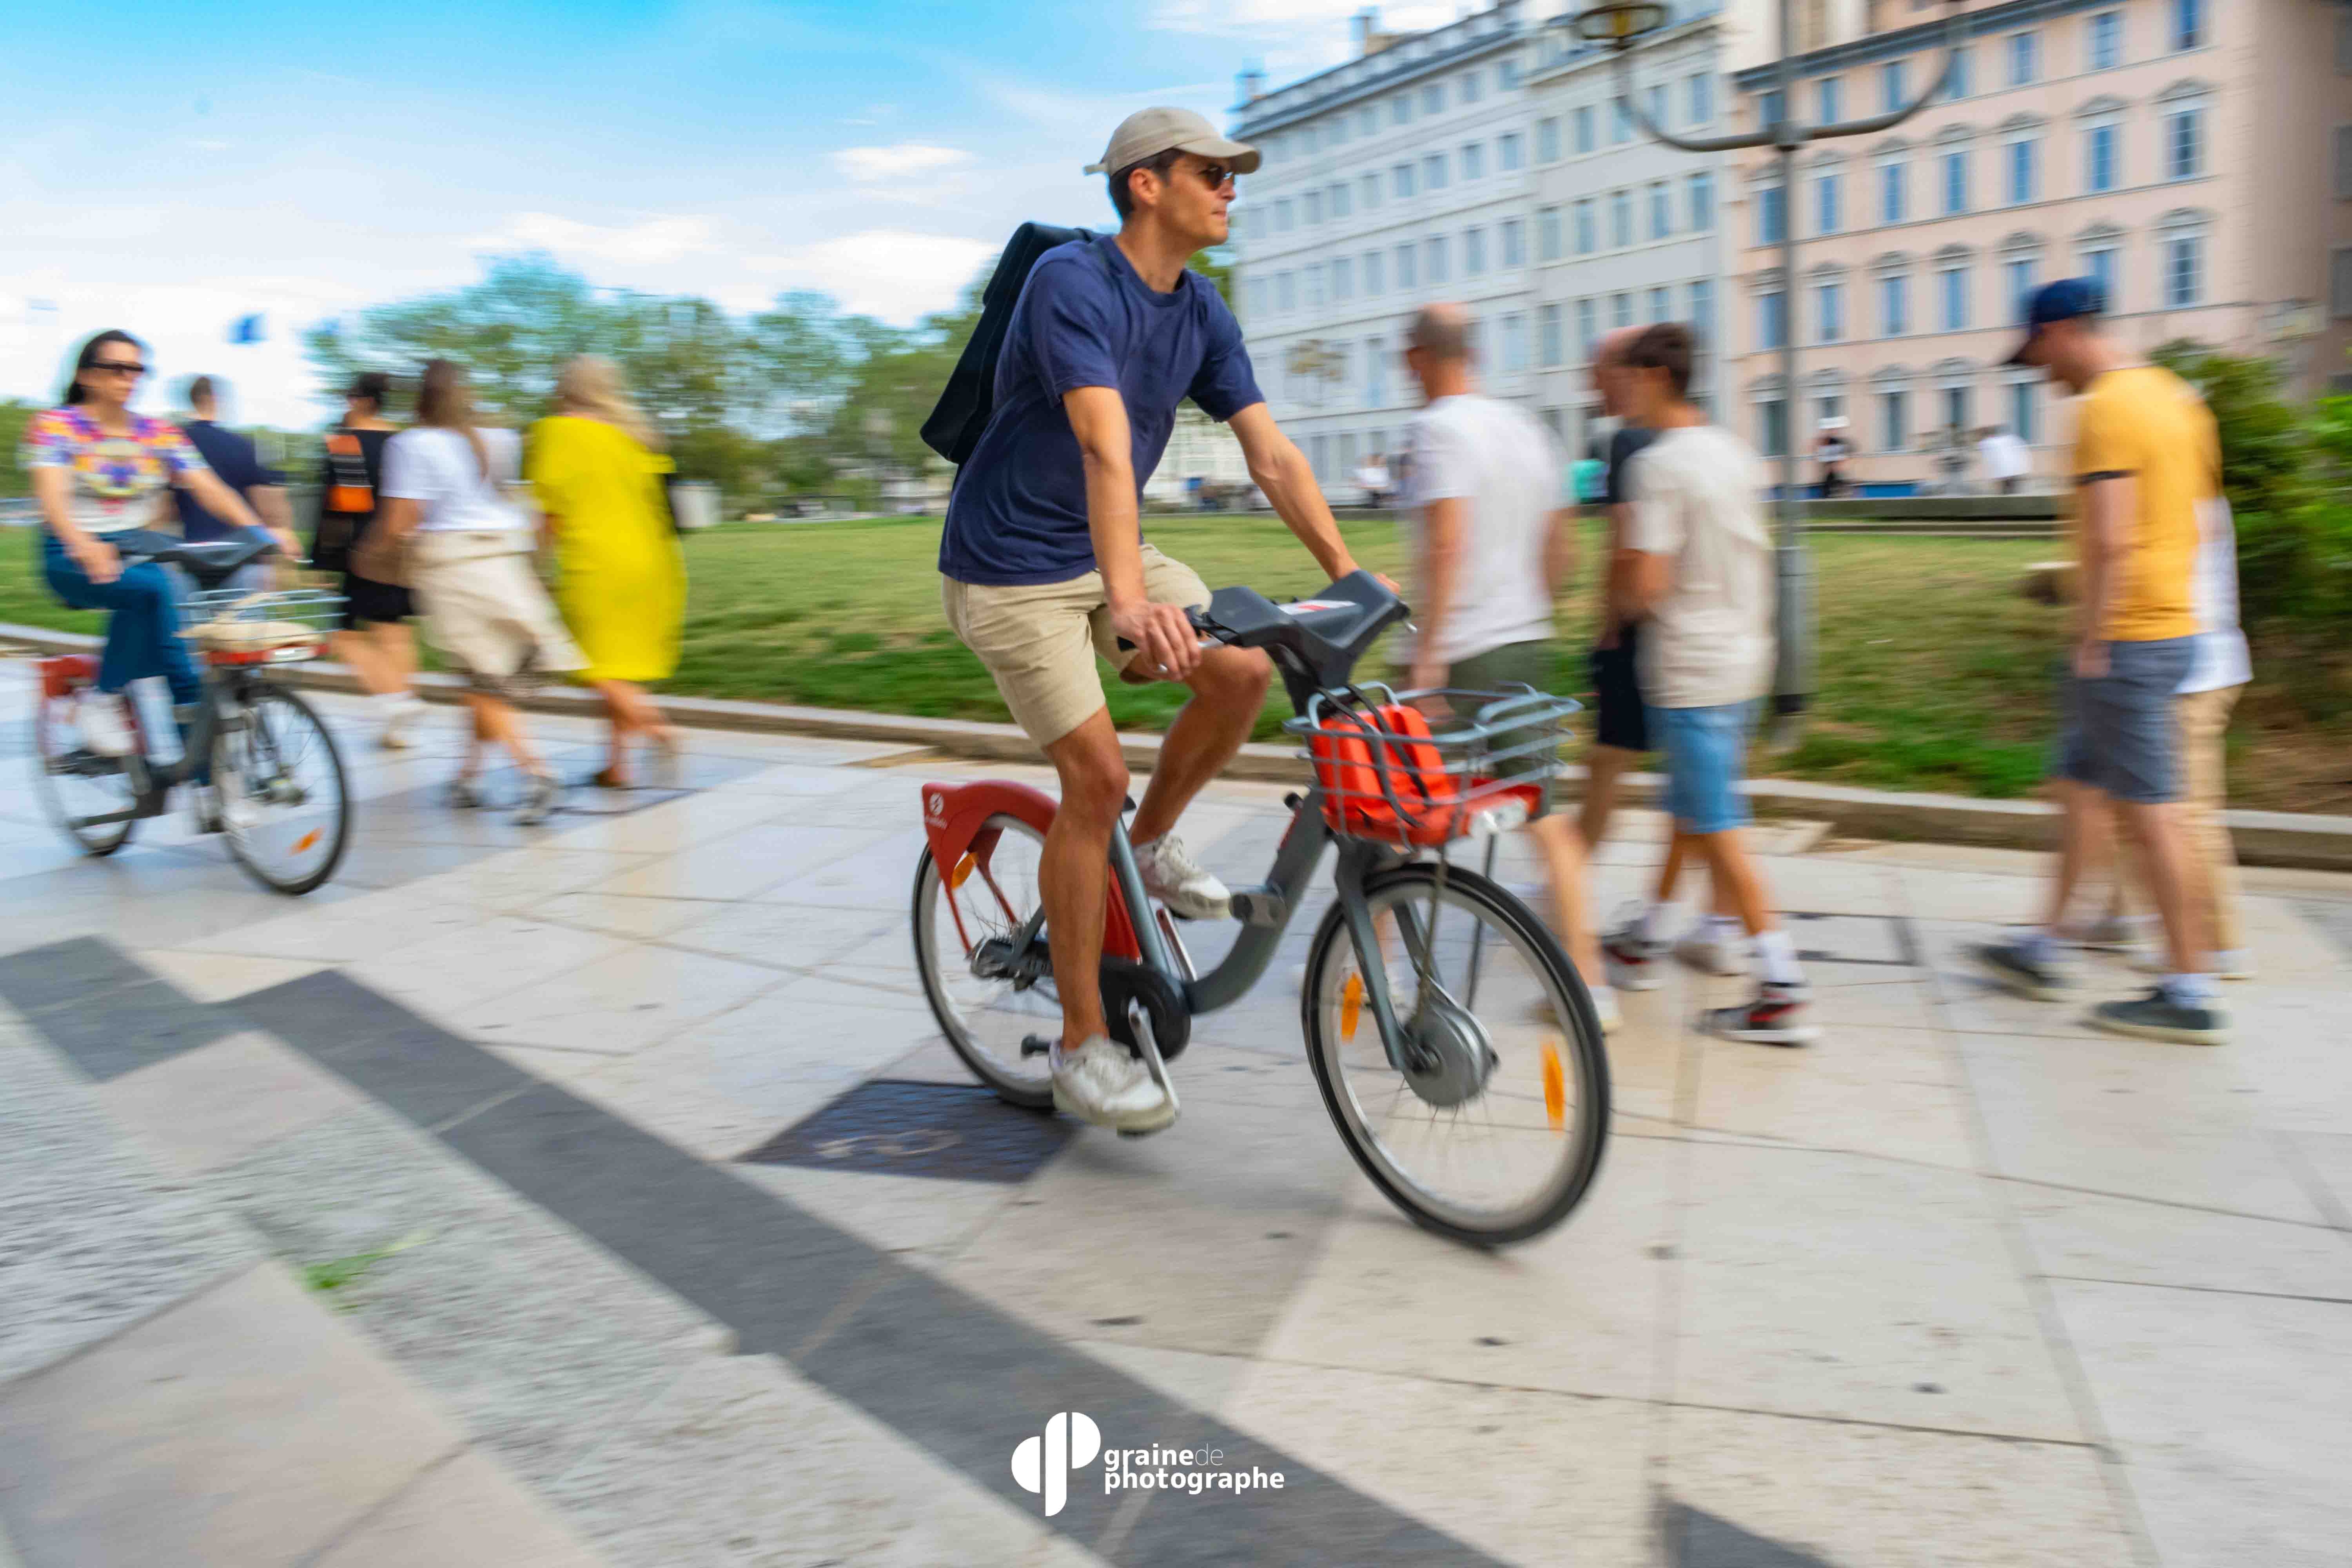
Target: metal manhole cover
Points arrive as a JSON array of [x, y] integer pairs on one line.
[[950, 1131]]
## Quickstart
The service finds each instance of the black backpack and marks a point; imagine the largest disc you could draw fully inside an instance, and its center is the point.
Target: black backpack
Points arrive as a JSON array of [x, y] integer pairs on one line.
[[961, 414]]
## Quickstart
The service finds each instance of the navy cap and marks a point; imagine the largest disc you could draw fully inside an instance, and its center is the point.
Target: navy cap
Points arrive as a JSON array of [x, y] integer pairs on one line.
[[2062, 301]]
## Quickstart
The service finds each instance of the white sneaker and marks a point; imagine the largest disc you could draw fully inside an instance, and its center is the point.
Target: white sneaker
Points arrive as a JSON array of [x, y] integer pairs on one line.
[[1709, 953], [1182, 883], [1101, 1083], [103, 727], [399, 714]]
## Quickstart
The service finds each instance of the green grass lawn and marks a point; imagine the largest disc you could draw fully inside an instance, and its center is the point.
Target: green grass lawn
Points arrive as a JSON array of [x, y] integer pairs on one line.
[[1935, 673]]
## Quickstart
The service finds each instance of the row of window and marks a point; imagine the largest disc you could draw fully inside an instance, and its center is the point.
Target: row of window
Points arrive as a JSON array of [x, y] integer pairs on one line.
[[1408, 266], [2183, 155], [2181, 281], [2022, 60], [1631, 217], [1432, 99], [1562, 334], [1948, 407], [1579, 133], [1343, 198]]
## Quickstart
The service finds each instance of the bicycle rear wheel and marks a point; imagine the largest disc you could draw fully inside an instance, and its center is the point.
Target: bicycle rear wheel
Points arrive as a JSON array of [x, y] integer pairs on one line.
[[980, 947], [76, 783], [1493, 1130], [285, 808]]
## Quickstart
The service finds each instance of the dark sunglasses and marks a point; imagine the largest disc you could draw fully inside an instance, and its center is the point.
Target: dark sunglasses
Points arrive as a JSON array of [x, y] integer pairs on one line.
[[1217, 175], [118, 366]]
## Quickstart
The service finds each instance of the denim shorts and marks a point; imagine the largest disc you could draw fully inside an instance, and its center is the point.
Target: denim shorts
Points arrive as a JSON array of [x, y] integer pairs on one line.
[[2118, 735], [1705, 750]]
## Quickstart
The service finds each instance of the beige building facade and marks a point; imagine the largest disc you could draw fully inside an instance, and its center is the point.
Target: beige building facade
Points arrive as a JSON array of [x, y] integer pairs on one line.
[[2194, 154]]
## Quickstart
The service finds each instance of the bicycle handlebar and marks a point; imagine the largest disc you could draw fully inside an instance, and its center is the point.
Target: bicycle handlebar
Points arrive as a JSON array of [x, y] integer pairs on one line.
[[1199, 622]]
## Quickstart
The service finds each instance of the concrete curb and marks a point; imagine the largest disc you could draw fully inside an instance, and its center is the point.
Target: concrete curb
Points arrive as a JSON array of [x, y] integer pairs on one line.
[[2310, 842]]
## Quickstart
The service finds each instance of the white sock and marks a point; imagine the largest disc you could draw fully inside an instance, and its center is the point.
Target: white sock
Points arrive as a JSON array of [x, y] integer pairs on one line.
[[1652, 920], [1721, 928], [2037, 945], [1779, 957], [2188, 989]]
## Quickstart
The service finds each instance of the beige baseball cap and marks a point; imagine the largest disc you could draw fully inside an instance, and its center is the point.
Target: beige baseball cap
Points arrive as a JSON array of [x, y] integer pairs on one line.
[[1148, 132]]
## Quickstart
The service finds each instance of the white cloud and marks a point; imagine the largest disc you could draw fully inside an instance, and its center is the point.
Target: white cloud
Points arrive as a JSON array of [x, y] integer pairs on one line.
[[870, 166], [891, 273], [657, 239]]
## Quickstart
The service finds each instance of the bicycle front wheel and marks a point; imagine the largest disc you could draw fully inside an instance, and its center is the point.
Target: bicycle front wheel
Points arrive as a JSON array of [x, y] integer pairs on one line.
[[284, 807], [1490, 1129]]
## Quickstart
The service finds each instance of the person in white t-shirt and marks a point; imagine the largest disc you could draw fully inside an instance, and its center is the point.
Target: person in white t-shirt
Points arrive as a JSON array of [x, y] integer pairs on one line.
[[470, 569], [2004, 459], [1494, 540], [1703, 574], [1373, 477]]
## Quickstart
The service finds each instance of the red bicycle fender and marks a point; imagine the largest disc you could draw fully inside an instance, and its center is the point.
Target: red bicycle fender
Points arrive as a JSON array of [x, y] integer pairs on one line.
[[62, 674], [952, 816]]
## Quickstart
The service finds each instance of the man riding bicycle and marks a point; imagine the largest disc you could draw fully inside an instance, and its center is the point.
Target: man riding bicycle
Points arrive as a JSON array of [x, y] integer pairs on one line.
[[1043, 564]]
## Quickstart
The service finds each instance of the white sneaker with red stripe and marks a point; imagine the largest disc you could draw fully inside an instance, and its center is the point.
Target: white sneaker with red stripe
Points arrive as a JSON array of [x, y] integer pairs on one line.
[[1780, 1015]]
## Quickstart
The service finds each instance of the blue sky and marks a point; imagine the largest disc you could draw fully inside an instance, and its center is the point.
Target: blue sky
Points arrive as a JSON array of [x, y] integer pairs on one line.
[[167, 168]]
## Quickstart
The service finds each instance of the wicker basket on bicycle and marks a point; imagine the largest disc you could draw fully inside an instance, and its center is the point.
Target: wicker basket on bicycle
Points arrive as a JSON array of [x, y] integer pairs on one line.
[[233, 625], [1389, 773]]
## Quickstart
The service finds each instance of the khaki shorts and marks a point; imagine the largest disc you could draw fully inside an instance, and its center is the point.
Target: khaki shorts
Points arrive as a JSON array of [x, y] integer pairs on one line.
[[486, 608], [1039, 641]]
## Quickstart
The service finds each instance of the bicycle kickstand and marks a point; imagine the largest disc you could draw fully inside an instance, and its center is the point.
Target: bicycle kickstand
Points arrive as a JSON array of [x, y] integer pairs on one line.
[[1139, 1018]]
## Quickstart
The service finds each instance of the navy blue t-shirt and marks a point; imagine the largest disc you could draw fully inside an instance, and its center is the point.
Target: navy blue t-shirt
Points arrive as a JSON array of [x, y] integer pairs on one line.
[[237, 462], [1084, 318]]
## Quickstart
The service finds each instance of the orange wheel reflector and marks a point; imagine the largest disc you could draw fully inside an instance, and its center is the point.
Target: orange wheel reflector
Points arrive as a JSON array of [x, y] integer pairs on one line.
[[306, 841], [962, 874], [1351, 1005], [1555, 1087]]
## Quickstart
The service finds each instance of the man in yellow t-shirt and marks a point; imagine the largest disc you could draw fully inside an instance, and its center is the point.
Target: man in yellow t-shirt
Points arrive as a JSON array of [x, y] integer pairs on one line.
[[2147, 460]]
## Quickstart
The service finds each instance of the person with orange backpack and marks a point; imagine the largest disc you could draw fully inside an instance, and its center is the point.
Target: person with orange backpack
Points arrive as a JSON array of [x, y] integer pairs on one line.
[[374, 638]]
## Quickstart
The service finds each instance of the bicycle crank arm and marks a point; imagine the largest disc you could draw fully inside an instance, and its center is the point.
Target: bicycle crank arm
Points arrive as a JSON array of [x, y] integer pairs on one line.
[[1140, 1020]]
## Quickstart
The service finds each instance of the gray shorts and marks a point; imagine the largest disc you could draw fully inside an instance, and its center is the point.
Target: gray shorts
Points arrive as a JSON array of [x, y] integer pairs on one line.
[[2119, 735]]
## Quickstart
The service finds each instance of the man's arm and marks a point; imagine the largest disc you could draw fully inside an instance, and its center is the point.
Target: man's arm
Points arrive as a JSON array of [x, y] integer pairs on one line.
[[1281, 470], [2106, 501], [1106, 449], [1651, 540], [1445, 527]]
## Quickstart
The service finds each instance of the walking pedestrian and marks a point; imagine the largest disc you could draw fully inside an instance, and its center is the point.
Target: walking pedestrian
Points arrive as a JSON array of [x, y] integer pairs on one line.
[[373, 638], [1832, 450], [2006, 459], [1621, 733], [596, 466], [1701, 572], [98, 470], [470, 553], [1495, 545], [232, 456], [2147, 462]]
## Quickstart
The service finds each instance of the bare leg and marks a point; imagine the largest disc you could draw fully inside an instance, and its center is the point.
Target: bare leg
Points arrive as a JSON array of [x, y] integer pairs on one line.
[[1735, 880], [1074, 871], [397, 647], [2173, 881], [1605, 768], [1563, 848], [621, 708], [2083, 841], [1229, 687], [496, 720], [360, 650]]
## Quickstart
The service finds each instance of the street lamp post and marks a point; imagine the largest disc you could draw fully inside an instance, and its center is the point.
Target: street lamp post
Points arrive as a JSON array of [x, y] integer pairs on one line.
[[1621, 23]]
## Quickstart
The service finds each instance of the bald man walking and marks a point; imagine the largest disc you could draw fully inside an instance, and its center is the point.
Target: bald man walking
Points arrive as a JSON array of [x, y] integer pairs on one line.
[[1496, 543]]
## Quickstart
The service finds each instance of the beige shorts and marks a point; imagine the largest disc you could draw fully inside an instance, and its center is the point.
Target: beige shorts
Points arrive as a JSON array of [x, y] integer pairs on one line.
[[486, 608], [1039, 641]]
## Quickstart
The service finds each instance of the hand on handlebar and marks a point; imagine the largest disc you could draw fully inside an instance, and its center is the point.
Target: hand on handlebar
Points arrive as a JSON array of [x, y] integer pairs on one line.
[[1170, 648], [98, 560]]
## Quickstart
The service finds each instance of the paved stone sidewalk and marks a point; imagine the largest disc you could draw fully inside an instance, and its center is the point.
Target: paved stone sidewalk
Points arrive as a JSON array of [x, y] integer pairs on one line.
[[1964, 1284]]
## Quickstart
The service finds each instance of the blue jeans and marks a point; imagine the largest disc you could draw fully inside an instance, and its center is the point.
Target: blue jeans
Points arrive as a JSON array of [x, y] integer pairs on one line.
[[1706, 750], [143, 635]]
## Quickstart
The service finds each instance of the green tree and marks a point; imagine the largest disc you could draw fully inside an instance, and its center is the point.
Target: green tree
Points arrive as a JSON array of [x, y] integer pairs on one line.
[[15, 416]]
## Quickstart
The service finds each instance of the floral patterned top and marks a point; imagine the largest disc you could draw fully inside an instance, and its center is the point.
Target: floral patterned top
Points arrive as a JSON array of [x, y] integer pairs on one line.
[[117, 480]]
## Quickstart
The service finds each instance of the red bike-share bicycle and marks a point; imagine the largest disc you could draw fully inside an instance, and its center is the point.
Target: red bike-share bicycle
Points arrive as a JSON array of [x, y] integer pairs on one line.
[[277, 792], [1455, 1047]]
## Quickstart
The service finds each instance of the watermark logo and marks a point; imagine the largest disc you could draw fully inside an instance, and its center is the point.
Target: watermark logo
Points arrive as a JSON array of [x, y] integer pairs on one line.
[[1044, 1464], [1072, 1441], [935, 806]]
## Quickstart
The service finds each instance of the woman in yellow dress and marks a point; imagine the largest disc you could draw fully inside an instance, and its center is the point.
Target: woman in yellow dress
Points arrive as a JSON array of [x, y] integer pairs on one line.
[[596, 465]]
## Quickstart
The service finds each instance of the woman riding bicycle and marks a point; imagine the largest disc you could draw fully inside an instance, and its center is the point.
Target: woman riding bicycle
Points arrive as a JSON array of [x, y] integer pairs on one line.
[[99, 471]]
